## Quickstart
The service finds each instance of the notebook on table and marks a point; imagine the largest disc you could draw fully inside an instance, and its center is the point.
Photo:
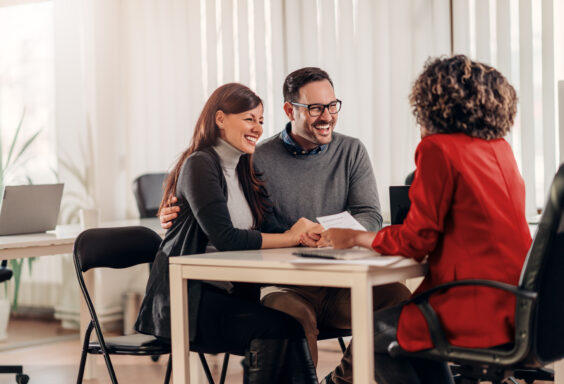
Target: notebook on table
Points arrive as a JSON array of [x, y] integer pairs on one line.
[[336, 254], [30, 208]]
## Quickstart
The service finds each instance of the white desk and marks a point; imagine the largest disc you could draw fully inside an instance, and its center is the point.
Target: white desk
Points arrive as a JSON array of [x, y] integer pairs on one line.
[[59, 241], [275, 266]]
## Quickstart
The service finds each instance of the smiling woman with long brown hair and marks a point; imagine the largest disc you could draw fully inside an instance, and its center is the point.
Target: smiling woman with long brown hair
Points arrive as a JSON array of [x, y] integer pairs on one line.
[[223, 202]]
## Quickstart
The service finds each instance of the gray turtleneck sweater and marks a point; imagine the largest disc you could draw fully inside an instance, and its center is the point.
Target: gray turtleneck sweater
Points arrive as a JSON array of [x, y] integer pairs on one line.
[[237, 204]]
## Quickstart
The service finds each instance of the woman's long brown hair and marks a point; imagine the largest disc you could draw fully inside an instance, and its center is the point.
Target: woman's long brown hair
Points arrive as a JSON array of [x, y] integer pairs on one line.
[[230, 98]]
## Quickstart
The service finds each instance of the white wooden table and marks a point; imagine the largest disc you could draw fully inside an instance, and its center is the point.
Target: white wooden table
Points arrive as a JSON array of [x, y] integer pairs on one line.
[[275, 266]]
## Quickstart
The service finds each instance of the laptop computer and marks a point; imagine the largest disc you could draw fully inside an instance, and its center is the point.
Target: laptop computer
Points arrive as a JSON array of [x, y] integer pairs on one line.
[[399, 203], [30, 208], [336, 254]]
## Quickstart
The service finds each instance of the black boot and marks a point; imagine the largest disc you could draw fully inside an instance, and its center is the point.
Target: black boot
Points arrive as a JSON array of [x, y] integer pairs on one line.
[[264, 361], [278, 362], [300, 368]]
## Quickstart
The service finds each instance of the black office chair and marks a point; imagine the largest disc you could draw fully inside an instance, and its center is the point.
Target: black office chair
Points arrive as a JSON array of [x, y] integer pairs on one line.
[[21, 378], [148, 191], [115, 248], [409, 178], [539, 312]]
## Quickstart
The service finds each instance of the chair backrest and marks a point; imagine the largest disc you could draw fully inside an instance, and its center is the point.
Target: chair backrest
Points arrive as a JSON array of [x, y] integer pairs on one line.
[[120, 247], [542, 273], [148, 191]]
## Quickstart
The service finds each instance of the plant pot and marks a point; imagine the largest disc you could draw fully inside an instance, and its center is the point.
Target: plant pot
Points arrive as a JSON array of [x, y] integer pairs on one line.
[[4, 317]]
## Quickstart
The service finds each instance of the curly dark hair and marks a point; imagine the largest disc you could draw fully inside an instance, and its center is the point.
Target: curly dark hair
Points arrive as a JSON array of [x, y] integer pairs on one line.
[[456, 94]]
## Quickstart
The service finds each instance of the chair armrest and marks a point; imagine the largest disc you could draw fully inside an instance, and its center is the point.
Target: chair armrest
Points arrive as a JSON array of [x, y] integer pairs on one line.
[[477, 282], [435, 328]]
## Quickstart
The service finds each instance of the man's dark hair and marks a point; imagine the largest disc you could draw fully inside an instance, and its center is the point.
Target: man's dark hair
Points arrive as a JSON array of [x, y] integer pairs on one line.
[[297, 79]]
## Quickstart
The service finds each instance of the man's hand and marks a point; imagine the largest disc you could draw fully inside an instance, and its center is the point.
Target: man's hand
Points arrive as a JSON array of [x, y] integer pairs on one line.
[[340, 238], [168, 214]]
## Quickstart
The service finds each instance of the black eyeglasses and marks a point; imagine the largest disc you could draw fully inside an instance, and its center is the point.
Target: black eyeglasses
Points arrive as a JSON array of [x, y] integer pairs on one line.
[[315, 110]]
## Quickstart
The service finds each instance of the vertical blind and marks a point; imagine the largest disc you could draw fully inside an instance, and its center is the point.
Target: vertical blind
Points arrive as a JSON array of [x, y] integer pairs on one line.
[[518, 38], [157, 62], [176, 53]]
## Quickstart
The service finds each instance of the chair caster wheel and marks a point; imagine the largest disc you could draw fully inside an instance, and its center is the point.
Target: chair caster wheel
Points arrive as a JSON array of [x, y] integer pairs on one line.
[[22, 378], [155, 358]]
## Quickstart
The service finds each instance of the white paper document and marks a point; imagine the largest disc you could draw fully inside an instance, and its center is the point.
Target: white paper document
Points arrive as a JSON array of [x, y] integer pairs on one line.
[[340, 220]]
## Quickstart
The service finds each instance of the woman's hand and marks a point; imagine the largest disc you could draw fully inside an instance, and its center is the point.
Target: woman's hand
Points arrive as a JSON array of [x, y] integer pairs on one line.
[[340, 238], [303, 227], [168, 214]]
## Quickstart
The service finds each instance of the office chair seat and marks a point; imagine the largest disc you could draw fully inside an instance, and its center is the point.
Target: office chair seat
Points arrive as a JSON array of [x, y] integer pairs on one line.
[[136, 344]]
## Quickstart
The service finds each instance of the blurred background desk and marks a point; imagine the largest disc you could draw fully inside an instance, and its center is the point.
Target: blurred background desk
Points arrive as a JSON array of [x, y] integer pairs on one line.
[[58, 241]]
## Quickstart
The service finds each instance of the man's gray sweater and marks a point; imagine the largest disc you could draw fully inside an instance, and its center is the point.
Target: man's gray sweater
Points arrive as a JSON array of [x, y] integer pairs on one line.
[[336, 179]]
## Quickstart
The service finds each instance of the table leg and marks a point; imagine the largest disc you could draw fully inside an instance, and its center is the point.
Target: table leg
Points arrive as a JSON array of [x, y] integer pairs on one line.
[[362, 331], [559, 372], [90, 367], [179, 326]]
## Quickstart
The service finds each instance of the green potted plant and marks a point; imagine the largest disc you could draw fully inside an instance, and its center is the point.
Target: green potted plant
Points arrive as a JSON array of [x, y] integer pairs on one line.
[[9, 163]]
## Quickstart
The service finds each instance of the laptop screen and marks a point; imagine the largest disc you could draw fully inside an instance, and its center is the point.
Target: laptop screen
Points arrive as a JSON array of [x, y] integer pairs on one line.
[[30, 208]]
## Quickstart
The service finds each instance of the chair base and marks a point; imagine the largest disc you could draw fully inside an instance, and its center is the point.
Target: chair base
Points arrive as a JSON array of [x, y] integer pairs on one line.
[[21, 378], [497, 375], [530, 375]]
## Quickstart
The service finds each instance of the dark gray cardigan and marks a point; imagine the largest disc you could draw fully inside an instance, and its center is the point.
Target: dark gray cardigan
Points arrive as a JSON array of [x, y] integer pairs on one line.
[[203, 217]]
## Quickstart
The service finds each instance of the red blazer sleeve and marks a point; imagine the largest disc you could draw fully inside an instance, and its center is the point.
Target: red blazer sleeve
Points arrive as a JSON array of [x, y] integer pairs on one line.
[[430, 194]]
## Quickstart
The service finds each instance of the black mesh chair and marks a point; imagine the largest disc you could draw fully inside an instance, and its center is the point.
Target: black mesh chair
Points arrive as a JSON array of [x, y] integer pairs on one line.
[[21, 378], [148, 191], [539, 312], [115, 248]]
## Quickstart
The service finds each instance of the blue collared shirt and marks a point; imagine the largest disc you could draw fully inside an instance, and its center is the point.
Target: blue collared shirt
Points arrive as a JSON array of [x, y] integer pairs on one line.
[[293, 147]]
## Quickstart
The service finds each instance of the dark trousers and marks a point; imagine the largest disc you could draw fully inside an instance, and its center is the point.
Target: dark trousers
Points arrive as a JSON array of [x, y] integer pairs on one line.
[[228, 322], [402, 370]]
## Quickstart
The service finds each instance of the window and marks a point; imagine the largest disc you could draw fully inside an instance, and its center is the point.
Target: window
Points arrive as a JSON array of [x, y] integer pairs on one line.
[[27, 90]]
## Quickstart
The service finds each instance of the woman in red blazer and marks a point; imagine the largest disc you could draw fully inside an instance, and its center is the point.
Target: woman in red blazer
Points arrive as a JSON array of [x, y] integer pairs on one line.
[[467, 216]]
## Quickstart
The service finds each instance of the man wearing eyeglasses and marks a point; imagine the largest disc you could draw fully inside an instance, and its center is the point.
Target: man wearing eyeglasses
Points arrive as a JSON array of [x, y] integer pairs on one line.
[[312, 171]]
